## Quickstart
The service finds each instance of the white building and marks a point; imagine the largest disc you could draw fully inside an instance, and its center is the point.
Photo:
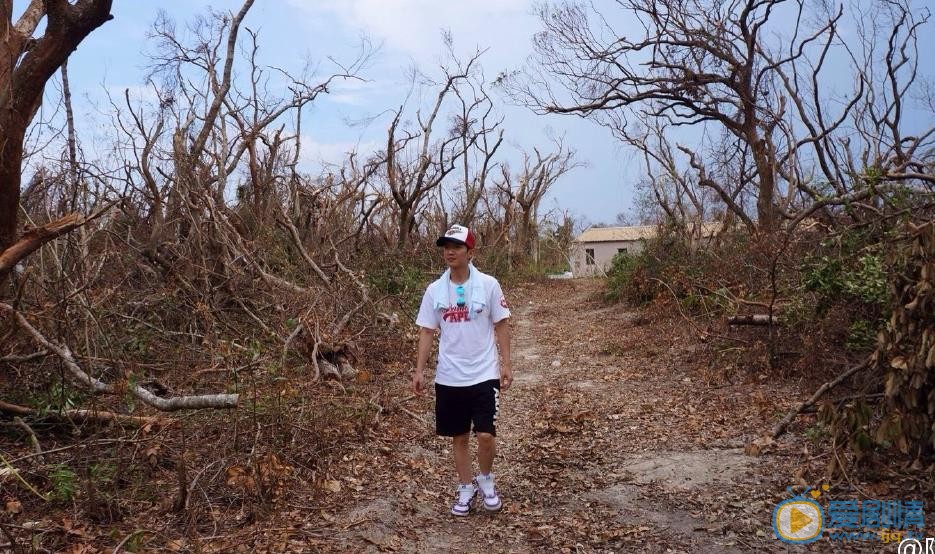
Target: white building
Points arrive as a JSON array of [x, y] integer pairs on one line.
[[593, 250]]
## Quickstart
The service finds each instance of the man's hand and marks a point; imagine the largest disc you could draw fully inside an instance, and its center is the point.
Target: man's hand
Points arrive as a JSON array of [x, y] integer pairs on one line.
[[418, 382], [506, 378]]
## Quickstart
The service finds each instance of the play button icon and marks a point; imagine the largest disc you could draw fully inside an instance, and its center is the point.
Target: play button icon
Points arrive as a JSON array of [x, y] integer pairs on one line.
[[798, 521]]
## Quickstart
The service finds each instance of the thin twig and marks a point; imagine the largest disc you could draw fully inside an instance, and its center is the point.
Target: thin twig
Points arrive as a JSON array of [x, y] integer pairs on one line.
[[780, 427], [689, 320], [19, 477], [32, 435], [414, 415], [127, 539], [27, 358]]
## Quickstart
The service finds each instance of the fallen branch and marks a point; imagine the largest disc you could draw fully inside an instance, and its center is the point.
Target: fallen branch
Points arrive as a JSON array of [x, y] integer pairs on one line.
[[701, 334], [32, 434], [100, 387], [278, 281], [254, 317], [127, 539], [15, 473], [780, 427], [754, 319], [285, 347], [364, 292], [92, 416]]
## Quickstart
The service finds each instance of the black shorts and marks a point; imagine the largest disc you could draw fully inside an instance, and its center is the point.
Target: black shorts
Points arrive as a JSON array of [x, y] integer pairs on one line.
[[457, 407]]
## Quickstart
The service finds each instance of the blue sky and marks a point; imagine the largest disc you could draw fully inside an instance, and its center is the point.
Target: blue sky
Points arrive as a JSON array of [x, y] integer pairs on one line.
[[407, 33]]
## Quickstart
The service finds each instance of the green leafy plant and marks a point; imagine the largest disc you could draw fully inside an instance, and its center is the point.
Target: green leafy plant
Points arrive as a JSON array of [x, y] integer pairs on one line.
[[620, 276], [862, 335], [64, 483], [403, 280], [868, 282], [103, 473], [816, 433], [60, 396], [845, 278]]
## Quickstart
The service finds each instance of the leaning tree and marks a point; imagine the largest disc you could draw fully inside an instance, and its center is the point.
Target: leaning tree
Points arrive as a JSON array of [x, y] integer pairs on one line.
[[27, 62]]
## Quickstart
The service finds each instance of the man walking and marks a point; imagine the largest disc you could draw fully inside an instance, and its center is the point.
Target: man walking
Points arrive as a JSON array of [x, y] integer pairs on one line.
[[469, 310]]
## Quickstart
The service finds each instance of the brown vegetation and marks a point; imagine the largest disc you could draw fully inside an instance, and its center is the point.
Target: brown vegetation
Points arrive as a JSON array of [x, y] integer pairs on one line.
[[197, 265]]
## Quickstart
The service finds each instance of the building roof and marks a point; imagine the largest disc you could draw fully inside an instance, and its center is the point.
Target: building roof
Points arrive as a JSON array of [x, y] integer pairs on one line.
[[613, 234], [632, 233]]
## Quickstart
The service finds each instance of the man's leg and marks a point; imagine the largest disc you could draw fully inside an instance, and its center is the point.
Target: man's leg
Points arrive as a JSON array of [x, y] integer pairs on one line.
[[486, 408], [462, 452], [453, 419], [486, 450]]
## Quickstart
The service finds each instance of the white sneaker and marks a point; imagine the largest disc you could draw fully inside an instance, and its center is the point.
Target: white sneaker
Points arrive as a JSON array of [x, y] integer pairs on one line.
[[465, 500], [491, 500]]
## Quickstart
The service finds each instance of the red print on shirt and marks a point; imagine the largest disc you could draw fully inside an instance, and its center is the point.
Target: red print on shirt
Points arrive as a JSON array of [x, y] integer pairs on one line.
[[456, 314], [503, 302]]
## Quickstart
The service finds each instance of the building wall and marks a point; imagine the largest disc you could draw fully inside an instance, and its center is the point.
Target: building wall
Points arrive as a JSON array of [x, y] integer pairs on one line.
[[603, 254]]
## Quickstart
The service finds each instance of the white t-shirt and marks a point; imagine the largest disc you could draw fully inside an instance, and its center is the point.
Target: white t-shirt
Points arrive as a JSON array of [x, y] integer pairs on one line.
[[467, 351]]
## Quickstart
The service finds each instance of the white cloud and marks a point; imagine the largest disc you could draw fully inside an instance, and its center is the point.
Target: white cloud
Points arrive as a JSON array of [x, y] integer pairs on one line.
[[413, 27], [357, 93], [316, 154]]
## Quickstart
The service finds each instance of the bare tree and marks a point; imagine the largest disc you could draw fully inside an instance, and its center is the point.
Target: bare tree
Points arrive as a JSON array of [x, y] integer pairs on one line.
[[417, 162], [478, 161], [748, 73], [26, 64], [524, 195]]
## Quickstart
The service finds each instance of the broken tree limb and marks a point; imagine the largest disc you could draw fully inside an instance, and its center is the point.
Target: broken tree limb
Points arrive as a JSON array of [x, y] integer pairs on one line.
[[780, 427], [329, 370], [278, 281], [33, 239], [62, 352], [754, 319], [175, 403], [364, 292], [100, 387]]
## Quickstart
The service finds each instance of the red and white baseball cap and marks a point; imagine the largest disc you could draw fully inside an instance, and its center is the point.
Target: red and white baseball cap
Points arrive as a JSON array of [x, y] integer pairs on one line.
[[458, 234]]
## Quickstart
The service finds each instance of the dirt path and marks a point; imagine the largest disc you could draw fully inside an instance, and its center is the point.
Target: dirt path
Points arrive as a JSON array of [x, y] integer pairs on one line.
[[610, 440]]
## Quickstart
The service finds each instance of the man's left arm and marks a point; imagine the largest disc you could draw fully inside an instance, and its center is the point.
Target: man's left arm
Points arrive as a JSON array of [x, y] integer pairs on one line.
[[502, 333]]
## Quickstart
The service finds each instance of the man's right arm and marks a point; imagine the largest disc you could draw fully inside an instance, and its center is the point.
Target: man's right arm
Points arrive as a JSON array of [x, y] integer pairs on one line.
[[426, 338], [427, 320]]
